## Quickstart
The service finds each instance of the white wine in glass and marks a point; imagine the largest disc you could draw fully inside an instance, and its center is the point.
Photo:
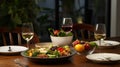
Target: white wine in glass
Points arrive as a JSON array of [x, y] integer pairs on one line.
[[100, 32], [27, 36], [100, 36], [27, 32]]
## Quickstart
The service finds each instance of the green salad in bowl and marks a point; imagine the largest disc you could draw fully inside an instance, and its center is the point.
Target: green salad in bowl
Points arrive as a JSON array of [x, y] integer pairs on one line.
[[59, 33], [60, 37]]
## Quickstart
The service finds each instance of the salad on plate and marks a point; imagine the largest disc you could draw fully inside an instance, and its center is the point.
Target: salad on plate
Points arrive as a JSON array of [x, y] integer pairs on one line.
[[49, 52]]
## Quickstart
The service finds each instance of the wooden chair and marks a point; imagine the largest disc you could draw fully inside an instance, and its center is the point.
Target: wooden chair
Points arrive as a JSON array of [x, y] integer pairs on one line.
[[83, 31], [13, 36]]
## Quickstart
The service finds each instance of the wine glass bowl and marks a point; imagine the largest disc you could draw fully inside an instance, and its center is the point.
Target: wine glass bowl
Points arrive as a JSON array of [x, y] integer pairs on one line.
[[100, 32], [27, 32], [67, 24], [27, 36]]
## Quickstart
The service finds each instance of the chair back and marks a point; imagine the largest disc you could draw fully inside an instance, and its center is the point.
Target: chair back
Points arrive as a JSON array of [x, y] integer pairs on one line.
[[83, 31], [14, 37]]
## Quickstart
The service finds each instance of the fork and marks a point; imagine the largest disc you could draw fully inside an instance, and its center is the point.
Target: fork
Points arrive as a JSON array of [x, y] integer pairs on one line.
[[17, 61]]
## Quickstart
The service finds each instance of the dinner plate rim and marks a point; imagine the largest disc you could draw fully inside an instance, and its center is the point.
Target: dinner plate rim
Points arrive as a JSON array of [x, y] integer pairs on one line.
[[109, 45], [12, 52], [102, 61]]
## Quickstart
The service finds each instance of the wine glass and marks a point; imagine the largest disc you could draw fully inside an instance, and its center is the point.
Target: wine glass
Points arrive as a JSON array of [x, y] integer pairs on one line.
[[100, 32], [67, 24], [27, 32]]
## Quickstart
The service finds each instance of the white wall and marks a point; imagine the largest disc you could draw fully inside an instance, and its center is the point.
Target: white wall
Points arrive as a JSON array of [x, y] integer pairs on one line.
[[113, 17], [118, 18]]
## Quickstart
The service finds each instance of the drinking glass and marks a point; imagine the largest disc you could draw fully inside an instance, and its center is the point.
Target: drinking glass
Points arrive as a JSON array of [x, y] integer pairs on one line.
[[100, 32], [67, 24], [27, 32]]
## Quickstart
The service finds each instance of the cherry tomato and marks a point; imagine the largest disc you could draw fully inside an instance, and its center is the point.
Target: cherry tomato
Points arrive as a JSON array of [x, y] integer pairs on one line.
[[87, 46], [56, 32], [76, 42], [60, 49]]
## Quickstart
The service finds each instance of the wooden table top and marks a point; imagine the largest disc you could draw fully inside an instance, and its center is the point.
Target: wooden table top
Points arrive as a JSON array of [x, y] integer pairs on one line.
[[75, 61]]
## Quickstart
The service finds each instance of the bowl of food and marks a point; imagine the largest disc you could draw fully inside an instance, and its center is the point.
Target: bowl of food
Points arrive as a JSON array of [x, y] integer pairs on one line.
[[49, 54], [84, 47], [60, 37]]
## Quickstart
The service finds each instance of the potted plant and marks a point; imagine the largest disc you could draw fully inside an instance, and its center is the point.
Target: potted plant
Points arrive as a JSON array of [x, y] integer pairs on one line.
[[16, 12]]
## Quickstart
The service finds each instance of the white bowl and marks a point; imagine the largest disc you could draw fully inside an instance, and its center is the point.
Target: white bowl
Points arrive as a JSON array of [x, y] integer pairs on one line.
[[58, 41]]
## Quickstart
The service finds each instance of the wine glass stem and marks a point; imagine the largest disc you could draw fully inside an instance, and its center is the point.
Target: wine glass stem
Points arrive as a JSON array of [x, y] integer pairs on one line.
[[100, 42], [28, 44]]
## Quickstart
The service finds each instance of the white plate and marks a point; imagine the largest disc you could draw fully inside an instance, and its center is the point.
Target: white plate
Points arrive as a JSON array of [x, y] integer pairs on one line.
[[104, 57], [108, 43], [14, 49]]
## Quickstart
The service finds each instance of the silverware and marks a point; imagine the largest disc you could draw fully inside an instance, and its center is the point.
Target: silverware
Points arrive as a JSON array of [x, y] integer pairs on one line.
[[17, 61]]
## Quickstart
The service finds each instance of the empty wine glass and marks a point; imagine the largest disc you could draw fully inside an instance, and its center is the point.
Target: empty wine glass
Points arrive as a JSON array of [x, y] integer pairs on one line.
[[27, 32], [100, 32], [67, 24]]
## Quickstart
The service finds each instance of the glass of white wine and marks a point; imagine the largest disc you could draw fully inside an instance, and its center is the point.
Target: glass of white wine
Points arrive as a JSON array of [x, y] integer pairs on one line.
[[100, 32], [27, 32]]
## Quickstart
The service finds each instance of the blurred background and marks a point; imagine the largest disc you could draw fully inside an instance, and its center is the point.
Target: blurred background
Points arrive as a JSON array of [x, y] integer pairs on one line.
[[49, 13]]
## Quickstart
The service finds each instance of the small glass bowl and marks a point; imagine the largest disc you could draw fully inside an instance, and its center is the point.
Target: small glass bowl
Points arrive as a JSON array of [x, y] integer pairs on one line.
[[87, 52]]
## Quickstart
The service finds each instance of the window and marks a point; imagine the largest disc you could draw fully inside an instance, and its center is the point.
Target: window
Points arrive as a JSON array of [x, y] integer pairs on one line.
[[91, 11]]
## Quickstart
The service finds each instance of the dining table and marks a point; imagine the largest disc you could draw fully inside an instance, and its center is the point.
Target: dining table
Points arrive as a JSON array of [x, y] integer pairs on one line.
[[74, 61]]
